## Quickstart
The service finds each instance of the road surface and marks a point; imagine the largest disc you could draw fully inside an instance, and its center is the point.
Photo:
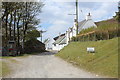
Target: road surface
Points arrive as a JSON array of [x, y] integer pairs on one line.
[[45, 65]]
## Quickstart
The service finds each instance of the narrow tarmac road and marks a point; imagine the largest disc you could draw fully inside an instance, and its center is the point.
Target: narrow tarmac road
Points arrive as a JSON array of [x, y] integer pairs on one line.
[[46, 65]]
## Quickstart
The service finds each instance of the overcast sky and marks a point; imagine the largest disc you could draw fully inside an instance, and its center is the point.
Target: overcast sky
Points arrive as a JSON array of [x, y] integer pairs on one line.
[[55, 18]]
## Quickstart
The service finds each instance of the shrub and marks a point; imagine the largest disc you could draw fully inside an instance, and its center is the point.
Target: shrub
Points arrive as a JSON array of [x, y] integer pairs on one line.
[[107, 29], [33, 46]]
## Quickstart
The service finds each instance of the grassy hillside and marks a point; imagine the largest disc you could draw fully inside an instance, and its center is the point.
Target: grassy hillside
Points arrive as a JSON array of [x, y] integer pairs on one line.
[[103, 25], [106, 24], [104, 62]]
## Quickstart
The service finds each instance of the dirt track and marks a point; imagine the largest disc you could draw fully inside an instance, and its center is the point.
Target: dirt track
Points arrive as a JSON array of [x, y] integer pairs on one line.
[[45, 65]]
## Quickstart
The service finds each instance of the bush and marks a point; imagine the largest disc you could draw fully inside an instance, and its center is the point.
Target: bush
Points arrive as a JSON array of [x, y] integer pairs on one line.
[[107, 29], [98, 35], [34, 46]]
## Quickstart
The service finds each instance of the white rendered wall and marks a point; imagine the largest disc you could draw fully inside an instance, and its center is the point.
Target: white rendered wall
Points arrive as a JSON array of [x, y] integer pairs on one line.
[[58, 47], [74, 29], [55, 47], [67, 38], [88, 17], [46, 46]]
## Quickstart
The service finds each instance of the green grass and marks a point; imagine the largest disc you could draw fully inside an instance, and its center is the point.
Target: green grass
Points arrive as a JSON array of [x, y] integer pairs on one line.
[[9, 57], [111, 23], [4, 69], [104, 62], [102, 25]]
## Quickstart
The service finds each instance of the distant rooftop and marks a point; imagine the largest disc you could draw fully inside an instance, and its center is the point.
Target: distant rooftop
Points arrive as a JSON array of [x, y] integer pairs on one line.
[[60, 40], [58, 36]]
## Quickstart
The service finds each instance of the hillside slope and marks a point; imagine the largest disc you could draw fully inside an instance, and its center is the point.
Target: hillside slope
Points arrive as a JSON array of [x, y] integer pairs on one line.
[[109, 24], [104, 62]]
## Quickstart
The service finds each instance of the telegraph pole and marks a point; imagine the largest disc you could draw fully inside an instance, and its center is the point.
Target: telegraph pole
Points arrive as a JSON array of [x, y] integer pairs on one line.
[[41, 34], [119, 12], [77, 16], [119, 6], [76, 13]]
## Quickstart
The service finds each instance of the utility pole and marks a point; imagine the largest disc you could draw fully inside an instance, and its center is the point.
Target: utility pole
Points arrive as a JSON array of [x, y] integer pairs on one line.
[[119, 6], [76, 13], [119, 11], [77, 16], [41, 31]]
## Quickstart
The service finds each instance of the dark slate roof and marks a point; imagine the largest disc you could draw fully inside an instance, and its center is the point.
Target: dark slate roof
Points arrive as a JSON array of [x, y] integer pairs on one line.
[[60, 40], [58, 36], [80, 24], [63, 41]]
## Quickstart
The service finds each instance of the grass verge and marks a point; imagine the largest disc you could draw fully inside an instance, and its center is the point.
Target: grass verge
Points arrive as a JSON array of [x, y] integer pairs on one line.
[[103, 62], [4, 69], [8, 57]]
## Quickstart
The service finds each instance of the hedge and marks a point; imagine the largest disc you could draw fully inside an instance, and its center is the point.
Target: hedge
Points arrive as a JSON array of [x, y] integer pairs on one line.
[[98, 35]]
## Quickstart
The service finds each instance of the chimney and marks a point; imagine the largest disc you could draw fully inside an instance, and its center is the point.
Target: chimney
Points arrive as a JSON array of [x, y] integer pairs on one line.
[[88, 16]]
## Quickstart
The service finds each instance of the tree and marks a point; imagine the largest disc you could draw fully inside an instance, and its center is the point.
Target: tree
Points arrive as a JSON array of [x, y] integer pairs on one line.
[[34, 34], [19, 19], [117, 15]]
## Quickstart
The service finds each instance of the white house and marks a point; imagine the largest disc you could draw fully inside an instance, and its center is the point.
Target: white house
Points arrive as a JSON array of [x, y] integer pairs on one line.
[[47, 44], [62, 40]]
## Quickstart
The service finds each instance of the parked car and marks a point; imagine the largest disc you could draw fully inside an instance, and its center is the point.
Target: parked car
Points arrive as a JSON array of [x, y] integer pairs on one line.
[[11, 49], [3, 51]]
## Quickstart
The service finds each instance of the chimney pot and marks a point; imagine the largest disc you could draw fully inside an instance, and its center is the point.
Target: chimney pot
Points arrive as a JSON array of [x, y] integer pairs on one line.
[[88, 16]]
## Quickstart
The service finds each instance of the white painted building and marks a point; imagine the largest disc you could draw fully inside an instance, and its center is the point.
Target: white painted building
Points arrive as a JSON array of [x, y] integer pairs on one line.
[[60, 42], [47, 44], [63, 40]]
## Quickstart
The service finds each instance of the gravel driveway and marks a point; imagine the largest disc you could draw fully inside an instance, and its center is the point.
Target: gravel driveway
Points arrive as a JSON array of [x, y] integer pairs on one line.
[[46, 65]]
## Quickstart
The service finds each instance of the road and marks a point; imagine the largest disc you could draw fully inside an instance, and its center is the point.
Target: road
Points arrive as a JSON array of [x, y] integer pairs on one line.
[[46, 65]]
